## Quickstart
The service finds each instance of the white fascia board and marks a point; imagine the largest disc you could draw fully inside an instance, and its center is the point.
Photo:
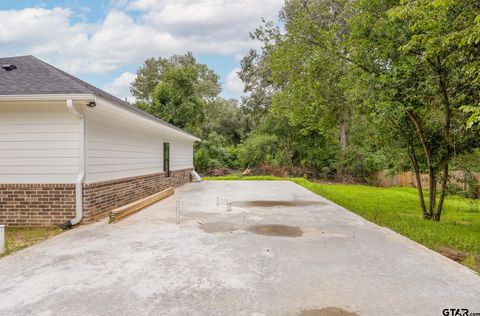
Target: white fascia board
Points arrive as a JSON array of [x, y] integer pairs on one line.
[[143, 115], [47, 97]]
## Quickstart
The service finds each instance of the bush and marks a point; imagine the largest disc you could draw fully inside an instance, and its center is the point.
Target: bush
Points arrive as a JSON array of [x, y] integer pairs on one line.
[[210, 153], [454, 189], [232, 160], [211, 156], [358, 165], [257, 149], [267, 169], [471, 184]]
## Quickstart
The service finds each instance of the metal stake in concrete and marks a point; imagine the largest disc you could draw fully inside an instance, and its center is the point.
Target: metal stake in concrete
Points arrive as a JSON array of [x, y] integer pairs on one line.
[[229, 206], [218, 200], [2, 239], [178, 212]]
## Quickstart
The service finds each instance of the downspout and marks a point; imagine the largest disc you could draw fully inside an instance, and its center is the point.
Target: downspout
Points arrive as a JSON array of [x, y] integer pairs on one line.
[[81, 172]]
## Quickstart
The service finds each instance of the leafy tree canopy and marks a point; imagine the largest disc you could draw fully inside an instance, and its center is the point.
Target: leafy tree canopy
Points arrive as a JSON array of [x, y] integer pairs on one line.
[[154, 70]]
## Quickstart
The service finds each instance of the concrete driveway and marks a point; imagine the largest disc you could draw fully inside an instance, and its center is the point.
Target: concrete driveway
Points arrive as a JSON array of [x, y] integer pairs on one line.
[[327, 262]]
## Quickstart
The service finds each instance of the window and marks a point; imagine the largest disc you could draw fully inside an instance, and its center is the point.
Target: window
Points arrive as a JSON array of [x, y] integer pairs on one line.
[[166, 159]]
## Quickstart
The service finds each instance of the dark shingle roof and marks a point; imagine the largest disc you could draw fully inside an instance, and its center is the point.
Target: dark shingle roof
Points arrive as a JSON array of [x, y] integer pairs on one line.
[[34, 76]]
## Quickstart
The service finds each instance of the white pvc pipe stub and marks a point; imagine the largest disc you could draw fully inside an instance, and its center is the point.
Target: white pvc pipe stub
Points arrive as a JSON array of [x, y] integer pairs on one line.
[[177, 212], [2, 239]]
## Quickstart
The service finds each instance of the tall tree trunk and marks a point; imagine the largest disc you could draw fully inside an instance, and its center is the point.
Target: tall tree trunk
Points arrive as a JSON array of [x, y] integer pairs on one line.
[[418, 180], [432, 183], [446, 157], [443, 189], [432, 190], [315, 172], [343, 130], [426, 214], [342, 124]]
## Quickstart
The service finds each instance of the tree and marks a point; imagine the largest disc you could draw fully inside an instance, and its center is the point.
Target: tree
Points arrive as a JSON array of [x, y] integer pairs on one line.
[[467, 39], [306, 63], [413, 73], [258, 86], [258, 148], [176, 89], [185, 94], [210, 153], [474, 112], [278, 142], [153, 71], [227, 119], [174, 99], [302, 78], [435, 37]]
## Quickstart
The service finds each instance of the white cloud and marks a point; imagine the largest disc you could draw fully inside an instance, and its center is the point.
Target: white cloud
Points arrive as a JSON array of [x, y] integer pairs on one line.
[[40, 30], [207, 19], [132, 31], [234, 83], [120, 86]]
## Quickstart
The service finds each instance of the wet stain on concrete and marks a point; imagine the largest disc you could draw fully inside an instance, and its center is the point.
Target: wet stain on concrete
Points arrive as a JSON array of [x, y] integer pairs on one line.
[[217, 227], [328, 311], [276, 230], [275, 203]]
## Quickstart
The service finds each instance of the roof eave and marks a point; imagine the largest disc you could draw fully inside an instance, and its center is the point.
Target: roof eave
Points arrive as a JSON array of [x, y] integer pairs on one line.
[[47, 97], [151, 118], [92, 97]]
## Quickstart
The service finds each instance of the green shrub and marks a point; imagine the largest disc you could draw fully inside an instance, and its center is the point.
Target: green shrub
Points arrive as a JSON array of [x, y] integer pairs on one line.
[[256, 149], [210, 153]]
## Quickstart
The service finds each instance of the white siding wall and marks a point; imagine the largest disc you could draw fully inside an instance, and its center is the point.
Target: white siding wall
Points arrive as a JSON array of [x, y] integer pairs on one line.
[[39, 143], [181, 155], [123, 145]]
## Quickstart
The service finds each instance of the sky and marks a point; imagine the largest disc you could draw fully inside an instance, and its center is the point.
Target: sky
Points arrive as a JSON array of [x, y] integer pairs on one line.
[[104, 42]]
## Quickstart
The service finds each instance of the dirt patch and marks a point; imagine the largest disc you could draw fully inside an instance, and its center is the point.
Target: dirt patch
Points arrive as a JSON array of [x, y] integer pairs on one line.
[[17, 238], [217, 227], [453, 254], [275, 203], [329, 311], [276, 230]]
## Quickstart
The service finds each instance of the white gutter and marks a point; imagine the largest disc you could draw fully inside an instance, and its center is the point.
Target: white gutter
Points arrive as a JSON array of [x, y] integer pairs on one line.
[[81, 172]]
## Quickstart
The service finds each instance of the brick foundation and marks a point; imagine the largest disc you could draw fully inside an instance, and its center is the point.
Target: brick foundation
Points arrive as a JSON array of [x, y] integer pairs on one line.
[[101, 197], [36, 204], [53, 204]]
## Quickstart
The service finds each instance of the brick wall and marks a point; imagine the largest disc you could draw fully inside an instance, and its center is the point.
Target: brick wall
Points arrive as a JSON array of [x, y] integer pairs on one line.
[[100, 198], [53, 204], [36, 204]]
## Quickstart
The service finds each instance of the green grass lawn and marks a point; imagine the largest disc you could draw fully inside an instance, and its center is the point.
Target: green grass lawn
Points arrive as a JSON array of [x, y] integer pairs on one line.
[[398, 209], [17, 238]]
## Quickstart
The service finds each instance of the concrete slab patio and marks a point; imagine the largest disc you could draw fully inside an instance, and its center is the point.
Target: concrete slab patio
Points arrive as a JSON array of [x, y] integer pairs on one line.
[[220, 263]]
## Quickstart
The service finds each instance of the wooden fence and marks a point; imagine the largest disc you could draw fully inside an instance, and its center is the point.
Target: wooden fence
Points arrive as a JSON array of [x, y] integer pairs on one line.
[[407, 179]]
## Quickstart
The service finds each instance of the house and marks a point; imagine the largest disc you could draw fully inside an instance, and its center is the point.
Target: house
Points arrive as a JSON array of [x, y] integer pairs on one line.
[[70, 152]]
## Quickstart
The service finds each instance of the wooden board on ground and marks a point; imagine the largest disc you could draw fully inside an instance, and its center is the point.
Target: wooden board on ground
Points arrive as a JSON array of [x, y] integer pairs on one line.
[[134, 207]]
